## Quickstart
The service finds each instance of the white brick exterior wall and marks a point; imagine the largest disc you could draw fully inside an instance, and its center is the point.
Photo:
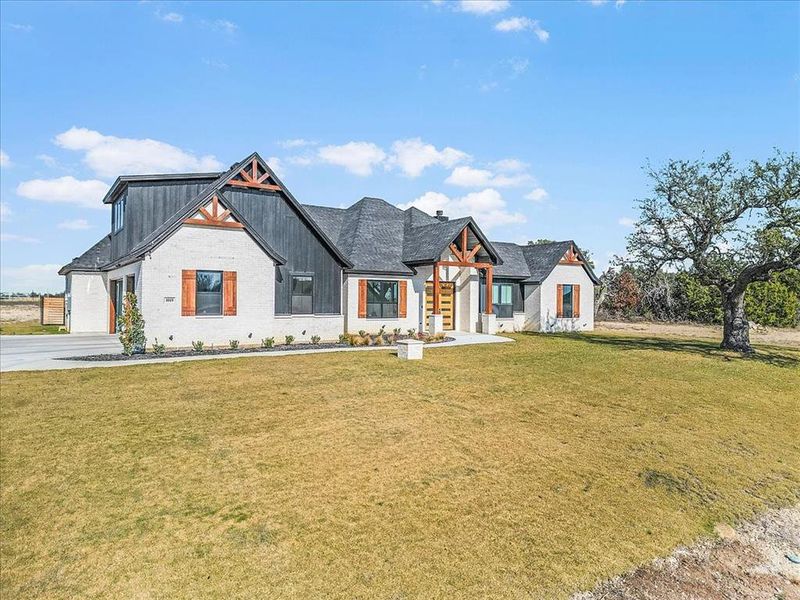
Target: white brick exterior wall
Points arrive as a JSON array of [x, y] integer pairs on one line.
[[87, 302], [564, 274], [415, 290]]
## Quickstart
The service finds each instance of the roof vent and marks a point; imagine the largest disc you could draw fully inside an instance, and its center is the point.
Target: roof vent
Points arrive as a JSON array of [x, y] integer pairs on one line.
[[440, 216]]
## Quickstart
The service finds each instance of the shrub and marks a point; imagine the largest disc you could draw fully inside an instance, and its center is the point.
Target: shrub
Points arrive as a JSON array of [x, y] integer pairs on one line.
[[158, 348], [130, 325], [267, 342], [411, 332], [771, 303], [315, 339], [198, 346], [234, 344], [289, 339], [379, 341], [345, 339], [396, 331], [362, 333]]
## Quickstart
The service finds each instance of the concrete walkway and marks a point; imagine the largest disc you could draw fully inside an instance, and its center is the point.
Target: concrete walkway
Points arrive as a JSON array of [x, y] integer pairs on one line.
[[39, 352]]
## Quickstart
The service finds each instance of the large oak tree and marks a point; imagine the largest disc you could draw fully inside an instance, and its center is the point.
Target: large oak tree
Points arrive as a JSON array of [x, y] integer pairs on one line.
[[728, 226]]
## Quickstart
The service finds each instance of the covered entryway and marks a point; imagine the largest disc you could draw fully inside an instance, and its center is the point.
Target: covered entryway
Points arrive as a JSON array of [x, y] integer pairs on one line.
[[447, 303]]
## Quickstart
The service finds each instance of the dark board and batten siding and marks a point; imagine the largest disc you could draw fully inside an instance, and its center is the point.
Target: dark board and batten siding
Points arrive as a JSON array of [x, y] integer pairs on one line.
[[283, 229], [149, 205]]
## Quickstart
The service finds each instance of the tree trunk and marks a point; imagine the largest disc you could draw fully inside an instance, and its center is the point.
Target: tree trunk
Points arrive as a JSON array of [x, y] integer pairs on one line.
[[735, 328]]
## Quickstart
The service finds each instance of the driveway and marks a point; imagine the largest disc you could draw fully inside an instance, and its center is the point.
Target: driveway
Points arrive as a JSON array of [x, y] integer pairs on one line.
[[31, 352]]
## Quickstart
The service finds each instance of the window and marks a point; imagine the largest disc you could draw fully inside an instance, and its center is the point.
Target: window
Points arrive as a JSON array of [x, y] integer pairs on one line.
[[130, 284], [302, 293], [381, 299], [567, 301], [208, 293], [118, 215], [502, 299]]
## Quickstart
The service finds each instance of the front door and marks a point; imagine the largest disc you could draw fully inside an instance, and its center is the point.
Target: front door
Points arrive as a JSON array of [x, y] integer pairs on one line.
[[115, 305], [447, 302]]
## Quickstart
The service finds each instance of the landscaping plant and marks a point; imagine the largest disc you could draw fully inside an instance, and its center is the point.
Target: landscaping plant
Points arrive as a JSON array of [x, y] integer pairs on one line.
[[198, 346], [130, 326], [234, 344], [289, 339], [158, 348], [267, 342]]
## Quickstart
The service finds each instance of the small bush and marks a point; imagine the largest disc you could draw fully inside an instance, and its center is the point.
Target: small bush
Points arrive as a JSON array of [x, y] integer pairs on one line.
[[158, 348], [345, 339], [288, 340], [267, 342], [234, 344], [396, 331], [362, 333], [379, 340], [198, 346], [315, 339], [358, 340], [411, 332]]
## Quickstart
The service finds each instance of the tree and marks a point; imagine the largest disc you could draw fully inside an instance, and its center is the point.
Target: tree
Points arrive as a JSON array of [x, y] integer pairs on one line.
[[728, 227], [130, 326]]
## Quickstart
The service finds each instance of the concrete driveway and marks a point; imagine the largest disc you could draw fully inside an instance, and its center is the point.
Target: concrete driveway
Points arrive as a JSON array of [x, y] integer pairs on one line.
[[32, 352]]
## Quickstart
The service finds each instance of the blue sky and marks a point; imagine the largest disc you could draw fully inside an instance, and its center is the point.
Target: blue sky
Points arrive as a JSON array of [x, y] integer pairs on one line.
[[534, 117]]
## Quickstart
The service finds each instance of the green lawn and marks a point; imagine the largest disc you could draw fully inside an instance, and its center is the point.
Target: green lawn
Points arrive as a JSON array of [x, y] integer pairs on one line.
[[506, 471], [28, 328]]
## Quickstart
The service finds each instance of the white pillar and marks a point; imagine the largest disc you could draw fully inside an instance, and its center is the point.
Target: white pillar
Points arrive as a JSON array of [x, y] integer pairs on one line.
[[489, 323], [435, 324]]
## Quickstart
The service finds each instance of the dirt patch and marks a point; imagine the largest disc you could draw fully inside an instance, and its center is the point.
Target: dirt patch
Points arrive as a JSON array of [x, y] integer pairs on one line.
[[780, 337], [750, 562], [19, 309]]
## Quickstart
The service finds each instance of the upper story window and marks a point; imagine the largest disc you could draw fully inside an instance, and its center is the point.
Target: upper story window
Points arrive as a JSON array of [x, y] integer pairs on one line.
[[381, 299], [502, 299], [302, 295], [118, 215]]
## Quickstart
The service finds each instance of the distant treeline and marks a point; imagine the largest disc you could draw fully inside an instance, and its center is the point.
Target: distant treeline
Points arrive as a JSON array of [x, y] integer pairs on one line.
[[21, 295], [627, 293]]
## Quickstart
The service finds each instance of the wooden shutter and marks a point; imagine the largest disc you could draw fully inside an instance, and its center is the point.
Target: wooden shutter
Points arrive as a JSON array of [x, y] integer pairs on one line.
[[559, 301], [576, 301], [362, 298], [403, 300], [229, 293], [188, 286]]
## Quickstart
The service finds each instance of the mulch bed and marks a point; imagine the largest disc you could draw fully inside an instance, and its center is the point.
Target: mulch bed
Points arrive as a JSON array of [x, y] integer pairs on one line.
[[180, 353]]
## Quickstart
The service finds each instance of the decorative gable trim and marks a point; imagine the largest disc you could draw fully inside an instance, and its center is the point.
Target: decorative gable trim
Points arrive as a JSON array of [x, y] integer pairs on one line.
[[571, 257], [252, 175], [214, 214]]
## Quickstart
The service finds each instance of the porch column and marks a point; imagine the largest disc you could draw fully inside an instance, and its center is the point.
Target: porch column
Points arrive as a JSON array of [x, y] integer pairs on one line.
[[488, 318], [436, 290], [489, 299]]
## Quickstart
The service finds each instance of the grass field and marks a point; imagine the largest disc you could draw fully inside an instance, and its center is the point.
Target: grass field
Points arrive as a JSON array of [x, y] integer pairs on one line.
[[506, 471], [28, 328]]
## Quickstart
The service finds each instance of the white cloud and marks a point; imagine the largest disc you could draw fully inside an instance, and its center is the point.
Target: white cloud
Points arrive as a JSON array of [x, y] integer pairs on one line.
[[225, 26], [170, 17], [86, 193], [465, 176], [296, 143], [276, 164], [487, 207], [357, 157], [216, 64], [110, 156], [5, 212], [413, 156], [40, 278], [483, 7], [21, 27], [619, 3], [626, 222], [536, 194], [523, 24], [75, 224], [5, 161], [489, 86], [24, 239], [509, 165], [48, 160]]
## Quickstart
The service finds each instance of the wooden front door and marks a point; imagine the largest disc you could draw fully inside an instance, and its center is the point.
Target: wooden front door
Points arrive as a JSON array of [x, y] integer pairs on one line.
[[115, 304], [447, 303]]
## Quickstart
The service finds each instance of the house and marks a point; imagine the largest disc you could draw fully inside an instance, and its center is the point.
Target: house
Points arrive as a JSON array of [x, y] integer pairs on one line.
[[233, 255]]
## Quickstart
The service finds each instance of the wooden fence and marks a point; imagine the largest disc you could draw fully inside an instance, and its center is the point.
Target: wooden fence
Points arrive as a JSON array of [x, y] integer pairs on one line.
[[51, 311]]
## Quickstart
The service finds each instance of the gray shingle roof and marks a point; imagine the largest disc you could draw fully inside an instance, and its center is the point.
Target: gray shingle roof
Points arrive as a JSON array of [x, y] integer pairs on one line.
[[91, 260]]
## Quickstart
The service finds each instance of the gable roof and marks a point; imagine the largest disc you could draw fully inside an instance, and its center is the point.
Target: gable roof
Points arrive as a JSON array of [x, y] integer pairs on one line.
[[123, 180], [378, 237], [533, 263], [91, 260]]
